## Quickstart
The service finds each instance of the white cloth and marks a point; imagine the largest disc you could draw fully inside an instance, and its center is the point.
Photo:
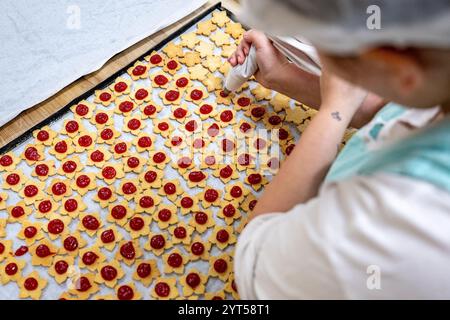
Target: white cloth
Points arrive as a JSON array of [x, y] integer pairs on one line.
[[326, 248], [47, 45]]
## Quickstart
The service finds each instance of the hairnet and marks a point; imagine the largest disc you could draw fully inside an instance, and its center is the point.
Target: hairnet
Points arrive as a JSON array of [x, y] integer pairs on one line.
[[351, 26]]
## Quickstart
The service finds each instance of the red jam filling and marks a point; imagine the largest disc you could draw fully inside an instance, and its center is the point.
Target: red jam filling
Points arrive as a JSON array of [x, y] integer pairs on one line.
[[105, 96], [11, 268], [109, 172], [222, 236], [108, 236], [2, 248], [32, 154], [191, 125], [70, 243], [260, 144], [160, 80], [244, 159], [85, 140], [223, 94], [108, 273], [172, 95], [72, 126], [164, 215], [21, 251], [226, 172], [134, 124], [61, 267], [172, 65], [125, 293], [274, 120], [162, 289], [182, 82], [90, 222], [193, 280], [258, 112], [220, 265], [139, 70], [144, 270], [196, 176], [155, 59], [243, 102], [179, 113], [290, 148], [55, 226], [170, 188], [176, 141], [101, 118], [157, 242], [254, 178], [30, 284], [69, 166], [133, 162], [229, 210], [120, 148], [127, 250], [150, 176], [29, 232], [43, 135], [236, 191], [59, 188], [129, 188], [83, 181], [197, 248], [17, 211], [163, 126], [6, 160], [126, 106], [144, 142], [30, 191], [104, 193], [213, 130], [175, 260], [146, 202], [252, 204], [43, 251], [141, 94], [149, 110], [61, 147], [196, 94], [89, 258], [201, 217], [198, 143], [211, 195], [180, 232], [120, 86], [210, 160], [187, 202], [159, 157], [226, 116], [206, 109], [81, 110], [136, 223], [118, 212], [13, 179], [184, 162], [83, 284], [283, 134]]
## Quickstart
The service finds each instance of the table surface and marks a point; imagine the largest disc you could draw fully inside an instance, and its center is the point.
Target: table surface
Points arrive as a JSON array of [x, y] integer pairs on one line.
[[45, 109]]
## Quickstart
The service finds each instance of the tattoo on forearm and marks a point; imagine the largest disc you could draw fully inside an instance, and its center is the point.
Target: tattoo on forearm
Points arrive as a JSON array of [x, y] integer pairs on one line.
[[336, 115]]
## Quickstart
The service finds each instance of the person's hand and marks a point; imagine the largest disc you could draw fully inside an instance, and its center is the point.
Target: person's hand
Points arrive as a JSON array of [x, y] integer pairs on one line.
[[270, 61]]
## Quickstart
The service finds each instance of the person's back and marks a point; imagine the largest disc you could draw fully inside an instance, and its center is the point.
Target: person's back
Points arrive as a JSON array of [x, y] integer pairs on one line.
[[375, 224]]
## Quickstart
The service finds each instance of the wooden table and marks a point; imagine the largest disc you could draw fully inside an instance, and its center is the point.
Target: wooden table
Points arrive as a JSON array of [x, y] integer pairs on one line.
[[43, 110]]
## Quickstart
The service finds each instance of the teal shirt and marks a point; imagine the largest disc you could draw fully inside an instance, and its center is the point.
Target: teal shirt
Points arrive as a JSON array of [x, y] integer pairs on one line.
[[425, 155]]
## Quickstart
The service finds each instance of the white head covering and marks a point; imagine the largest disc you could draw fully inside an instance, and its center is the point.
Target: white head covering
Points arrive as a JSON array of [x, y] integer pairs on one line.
[[351, 26]]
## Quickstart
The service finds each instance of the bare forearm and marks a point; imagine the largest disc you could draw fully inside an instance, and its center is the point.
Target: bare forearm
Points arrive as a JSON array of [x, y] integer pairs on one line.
[[303, 171], [298, 85]]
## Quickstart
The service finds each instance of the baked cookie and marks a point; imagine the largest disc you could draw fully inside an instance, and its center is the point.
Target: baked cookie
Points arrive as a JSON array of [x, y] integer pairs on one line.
[[146, 271], [191, 58], [174, 262], [104, 97], [32, 191], [45, 207], [141, 94], [119, 213], [193, 282], [9, 161], [222, 237], [18, 212], [108, 273], [128, 251], [83, 109], [91, 258], [220, 38], [166, 215], [42, 253], [108, 237], [189, 40], [152, 178], [160, 80], [234, 29], [83, 183], [13, 180], [133, 124], [212, 82], [127, 292], [199, 249], [69, 167], [187, 204], [138, 71], [220, 18], [121, 86], [255, 179], [196, 95], [162, 127], [198, 72], [102, 119], [111, 172], [155, 59], [196, 178], [172, 66], [181, 233], [121, 149], [202, 220], [180, 113], [165, 289], [31, 154], [157, 243], [182, 81], [210, 197], [150, 110], [236, 192], [124, 106], [11, 270], [170, 96], [171, 189], [61, 148], [220, 267], [205, 27], [72, 127], [57, 226], [229, 212], [83, 286], [173, 50], [72, 243], [62, 268], [159, 159], [90, 223], [31, 286], [45, 135], [139, 225], [261, 93]]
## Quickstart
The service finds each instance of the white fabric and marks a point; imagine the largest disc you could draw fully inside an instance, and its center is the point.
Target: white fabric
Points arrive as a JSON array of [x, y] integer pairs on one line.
[[323, 249], [43, 51]]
